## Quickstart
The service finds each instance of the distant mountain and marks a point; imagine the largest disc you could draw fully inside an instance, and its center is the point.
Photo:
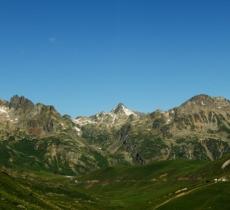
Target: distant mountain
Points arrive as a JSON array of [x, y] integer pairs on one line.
[[36, 136], [118, 115], [198, 129]]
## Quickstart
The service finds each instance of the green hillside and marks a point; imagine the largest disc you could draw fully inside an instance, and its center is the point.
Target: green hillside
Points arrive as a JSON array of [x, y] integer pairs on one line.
[[211, 197], [175, 184]]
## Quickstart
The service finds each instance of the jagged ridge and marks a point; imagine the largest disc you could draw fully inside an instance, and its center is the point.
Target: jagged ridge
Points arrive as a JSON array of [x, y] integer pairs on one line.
[[37, 136]]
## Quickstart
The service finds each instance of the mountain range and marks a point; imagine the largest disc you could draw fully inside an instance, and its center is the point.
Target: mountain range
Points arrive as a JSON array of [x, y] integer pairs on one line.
[[38, 137]]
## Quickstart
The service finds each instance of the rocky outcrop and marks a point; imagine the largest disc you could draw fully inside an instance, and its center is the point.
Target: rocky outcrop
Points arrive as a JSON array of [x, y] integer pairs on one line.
[[20, 102], [36, 135], [198, 129]]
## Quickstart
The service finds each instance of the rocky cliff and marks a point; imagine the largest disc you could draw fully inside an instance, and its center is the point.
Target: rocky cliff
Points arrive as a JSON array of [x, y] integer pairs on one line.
[[36, 136]]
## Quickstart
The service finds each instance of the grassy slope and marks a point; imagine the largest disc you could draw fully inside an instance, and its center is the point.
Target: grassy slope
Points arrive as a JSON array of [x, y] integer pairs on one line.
[[13, 195], [41, 191], [147, 186], [213, 197], [142, 187]]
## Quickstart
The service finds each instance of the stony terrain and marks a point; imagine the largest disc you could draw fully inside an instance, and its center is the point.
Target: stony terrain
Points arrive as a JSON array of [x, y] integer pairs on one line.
[[198, 129], [37, 137]]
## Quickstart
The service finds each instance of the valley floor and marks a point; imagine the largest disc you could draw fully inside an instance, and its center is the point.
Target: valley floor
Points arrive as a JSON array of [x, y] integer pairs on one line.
[[178, 185]]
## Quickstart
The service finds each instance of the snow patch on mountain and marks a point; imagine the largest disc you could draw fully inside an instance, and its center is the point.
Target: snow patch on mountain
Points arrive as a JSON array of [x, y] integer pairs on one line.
[[128, 112], [81, 121], [3, 110], [117, 115], [122, 109], [226, 163], [4, 113], [79, 132]]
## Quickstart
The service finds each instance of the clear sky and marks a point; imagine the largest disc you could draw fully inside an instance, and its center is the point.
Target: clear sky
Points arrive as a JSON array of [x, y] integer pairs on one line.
[[86, 56]]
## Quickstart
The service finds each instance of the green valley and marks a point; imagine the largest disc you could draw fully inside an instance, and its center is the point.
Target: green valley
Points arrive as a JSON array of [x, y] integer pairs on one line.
[[175, 184]]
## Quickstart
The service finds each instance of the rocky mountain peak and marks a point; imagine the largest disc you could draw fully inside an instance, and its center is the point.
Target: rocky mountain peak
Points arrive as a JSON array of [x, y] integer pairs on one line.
[[20, 102], [119, 107], [206, 101], [122, 109], [201, 99]]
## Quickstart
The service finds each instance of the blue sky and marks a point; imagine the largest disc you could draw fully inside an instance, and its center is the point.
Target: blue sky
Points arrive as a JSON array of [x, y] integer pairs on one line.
[[86, 56]]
